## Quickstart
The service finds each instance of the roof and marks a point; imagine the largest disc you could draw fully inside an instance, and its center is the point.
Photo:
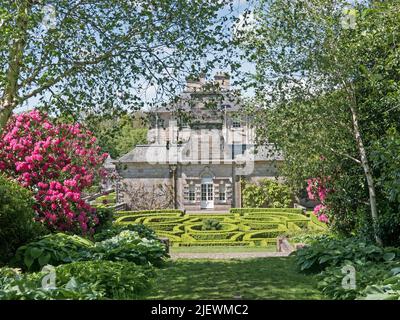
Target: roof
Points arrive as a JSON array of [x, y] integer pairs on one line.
[[158, 153], [108, 164]]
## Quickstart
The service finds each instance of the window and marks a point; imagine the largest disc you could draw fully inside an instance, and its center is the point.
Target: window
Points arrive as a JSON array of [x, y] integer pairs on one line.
[[222, 193], [238, 149], [192, 192], [203, 192], [183, 123], [236, 124]]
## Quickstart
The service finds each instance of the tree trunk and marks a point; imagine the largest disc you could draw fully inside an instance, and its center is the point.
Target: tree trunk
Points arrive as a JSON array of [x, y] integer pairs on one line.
[[9, 100], [367, 172]]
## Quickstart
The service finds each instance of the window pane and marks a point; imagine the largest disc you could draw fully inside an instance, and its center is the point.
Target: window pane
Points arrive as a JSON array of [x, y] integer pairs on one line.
[[222, 192]]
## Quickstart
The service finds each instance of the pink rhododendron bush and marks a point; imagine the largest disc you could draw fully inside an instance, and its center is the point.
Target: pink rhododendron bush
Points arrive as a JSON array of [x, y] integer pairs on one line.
[[57, 162], [317, 190]]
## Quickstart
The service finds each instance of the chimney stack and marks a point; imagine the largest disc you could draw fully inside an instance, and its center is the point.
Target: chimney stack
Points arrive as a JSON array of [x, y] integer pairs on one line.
[[222, 79], [194, 84]]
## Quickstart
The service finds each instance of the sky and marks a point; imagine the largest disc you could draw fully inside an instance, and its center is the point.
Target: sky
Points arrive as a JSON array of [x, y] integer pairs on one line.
[[149, 93]]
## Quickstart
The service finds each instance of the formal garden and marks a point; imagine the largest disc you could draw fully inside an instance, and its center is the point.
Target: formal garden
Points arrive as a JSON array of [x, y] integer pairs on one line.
[[320, 83]]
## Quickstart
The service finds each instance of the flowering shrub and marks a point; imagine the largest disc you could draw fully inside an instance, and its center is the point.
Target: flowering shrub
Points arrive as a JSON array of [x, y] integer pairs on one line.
[[55, 161], [317, 190]]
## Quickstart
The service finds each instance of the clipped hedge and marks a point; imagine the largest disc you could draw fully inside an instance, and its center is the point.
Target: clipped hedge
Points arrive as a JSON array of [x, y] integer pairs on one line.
[[249, 210], [215, 243], [148, 212], [273, 233], [248, 226]]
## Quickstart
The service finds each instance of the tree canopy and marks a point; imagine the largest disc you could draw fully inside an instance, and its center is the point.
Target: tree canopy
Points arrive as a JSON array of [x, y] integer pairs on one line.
[[328, 76], [83, 56]]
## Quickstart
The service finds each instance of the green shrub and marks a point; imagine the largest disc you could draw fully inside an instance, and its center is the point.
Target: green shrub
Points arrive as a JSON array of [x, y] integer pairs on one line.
[[387, 289], [139, 218], [209, 236], [273, 233], [17, 225], [330, 281], [106, 199], [129, 246], [79, 280], [112, 231], [216, 243], [211, 224], [53, 249], [17, 286], [265, 210], [149, 212], [267, 193], [106, 217], [333, 252], [112, 279], [197, 227]]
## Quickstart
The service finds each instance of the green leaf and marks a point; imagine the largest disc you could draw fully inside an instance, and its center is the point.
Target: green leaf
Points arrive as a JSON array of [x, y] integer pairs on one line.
[[324, 259], [44, 259], [395, 271], [35, 252], [28, 261], [389, 256]]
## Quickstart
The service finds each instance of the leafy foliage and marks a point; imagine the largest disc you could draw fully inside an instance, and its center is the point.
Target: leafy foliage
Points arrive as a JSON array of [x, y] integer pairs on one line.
[[333, 252], [142, 230], [211, 224], [111, 279], [117, 135], [388, 289], [56, 162], [53, 249], [17, 218], [109, 52], [267, 193], [241, 227], [326, 83], [129, 246], [22, 286], [367, 273], [79, 281]]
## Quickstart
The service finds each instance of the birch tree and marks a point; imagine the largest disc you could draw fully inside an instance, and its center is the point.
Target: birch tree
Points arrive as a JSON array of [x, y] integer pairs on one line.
[[85, 55], [322, 72]]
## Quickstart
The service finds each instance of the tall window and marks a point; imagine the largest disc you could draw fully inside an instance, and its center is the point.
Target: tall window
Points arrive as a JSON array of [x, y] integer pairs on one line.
[[238, 149], [222, 192], [192, 192]]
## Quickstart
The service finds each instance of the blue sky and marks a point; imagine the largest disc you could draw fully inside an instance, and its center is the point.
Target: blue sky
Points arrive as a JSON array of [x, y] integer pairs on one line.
[[239, 7]]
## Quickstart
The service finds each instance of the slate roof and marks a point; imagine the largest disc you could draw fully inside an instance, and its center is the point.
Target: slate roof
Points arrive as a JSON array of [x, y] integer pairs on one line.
[[158, 153]]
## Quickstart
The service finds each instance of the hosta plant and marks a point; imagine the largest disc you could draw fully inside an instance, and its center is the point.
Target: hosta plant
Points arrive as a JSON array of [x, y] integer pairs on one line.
[[129, 246], [54, 249]]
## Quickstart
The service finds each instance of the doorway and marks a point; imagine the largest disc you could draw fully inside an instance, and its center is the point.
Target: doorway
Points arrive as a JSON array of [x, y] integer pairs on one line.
[[207, 193]]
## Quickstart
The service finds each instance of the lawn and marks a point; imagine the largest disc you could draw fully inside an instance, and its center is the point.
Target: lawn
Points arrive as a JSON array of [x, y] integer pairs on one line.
[[263, 278]]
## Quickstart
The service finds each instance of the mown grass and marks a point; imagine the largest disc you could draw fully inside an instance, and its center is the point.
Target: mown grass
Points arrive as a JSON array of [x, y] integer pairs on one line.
[[261, 278]]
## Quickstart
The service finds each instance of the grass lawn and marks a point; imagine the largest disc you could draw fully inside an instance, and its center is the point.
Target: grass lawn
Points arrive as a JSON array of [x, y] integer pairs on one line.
[[224, 249], [263, 278]]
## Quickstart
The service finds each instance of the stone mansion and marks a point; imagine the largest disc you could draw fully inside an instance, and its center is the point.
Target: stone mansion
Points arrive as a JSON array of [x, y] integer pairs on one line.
[[200, 147]]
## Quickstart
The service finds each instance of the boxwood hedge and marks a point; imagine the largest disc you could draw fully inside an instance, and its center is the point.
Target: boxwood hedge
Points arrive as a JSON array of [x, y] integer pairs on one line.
[[240, 227]]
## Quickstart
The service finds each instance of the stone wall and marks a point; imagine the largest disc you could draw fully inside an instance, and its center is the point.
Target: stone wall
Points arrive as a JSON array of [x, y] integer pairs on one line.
[[144, 180]]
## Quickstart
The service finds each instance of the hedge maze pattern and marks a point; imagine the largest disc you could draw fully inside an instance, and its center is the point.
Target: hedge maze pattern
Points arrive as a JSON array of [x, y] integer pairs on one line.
[[240, 227]]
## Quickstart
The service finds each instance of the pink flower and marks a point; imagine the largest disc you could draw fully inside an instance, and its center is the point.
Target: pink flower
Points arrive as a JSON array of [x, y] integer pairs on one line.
[[47, 125], [323, 218], [70, 183], [72, 161], [42, 185]]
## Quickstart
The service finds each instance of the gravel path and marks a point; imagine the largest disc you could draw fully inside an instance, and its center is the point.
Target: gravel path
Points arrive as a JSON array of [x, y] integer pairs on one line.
[[233, 255]]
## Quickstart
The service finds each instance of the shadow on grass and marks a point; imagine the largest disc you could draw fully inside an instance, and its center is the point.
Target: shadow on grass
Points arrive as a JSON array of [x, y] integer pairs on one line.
[[263, 278]]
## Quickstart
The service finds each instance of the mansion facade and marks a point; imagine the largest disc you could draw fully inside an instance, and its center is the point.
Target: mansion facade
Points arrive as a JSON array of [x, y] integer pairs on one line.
[[199, 148]]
